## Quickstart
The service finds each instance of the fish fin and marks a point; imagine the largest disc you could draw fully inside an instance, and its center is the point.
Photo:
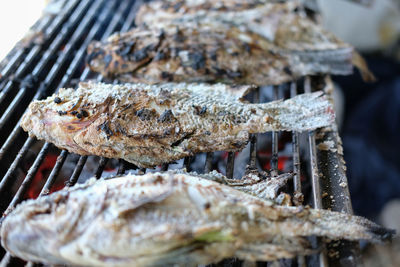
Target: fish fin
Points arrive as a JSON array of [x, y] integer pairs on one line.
[[349, 226], [360, 63], [146, 191]]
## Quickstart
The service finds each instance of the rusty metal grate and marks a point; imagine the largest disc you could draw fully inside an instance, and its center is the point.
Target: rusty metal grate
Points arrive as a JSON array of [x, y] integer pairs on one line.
[[53, 57]]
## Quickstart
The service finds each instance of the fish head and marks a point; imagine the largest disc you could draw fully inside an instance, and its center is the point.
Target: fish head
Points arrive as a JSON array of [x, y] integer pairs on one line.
[[59, 118], [50, 222]]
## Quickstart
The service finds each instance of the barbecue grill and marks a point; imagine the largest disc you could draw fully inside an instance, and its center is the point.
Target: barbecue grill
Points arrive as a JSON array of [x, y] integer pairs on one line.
[[52, 56]]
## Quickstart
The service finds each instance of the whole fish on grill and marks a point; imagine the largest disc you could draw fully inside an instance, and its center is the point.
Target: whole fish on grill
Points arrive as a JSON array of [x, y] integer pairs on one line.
[[167, 218], [280, 23], [152, 124], [265, 44]]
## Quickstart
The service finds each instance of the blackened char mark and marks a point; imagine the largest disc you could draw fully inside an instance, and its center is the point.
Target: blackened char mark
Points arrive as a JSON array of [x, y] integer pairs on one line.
[[179, 37], [120, 129], [230, 73], [183, 138], [199, 110], [177, 6], [160, 56], [106, 129], [166, 116], [94, 55], [140, 54], [128, 48], [234, 74], [167, 76], [57, 100], [247, 47], [287, 70], [107, 60], [203, 110], [213, 55], [145, 114], [84, 113], [198, 61]]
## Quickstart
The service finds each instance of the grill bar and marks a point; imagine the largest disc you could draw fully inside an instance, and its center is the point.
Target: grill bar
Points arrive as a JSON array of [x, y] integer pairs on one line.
[[52, 73], [54, 172], [15, 163], [17, 57], [186, 163], [47, 58], [121, 167], [77, 171], [297, 195], [316, 187], [102, 164], [28, 179], [10, 140], [314, 172], [208, 163], [253, 137], [6, 259], [230, 164], [34, 53], [274, 155]]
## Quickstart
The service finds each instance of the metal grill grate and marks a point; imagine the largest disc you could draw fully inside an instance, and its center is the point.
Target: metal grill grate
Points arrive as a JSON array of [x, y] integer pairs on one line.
[[53, 57]]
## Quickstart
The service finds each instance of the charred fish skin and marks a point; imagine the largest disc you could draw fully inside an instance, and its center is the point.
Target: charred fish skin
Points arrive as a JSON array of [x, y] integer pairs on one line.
[[148, 125], [188, 54], [264, 44], [280, 22], [161, 218]]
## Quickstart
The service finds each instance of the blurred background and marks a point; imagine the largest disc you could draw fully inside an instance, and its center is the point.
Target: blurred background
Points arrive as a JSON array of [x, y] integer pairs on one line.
[[369, 113], [371, 121]]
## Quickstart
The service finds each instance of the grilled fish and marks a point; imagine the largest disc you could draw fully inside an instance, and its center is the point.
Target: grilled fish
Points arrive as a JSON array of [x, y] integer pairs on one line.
[[167, 218], [280, 23], [153, 124], [265, 45]]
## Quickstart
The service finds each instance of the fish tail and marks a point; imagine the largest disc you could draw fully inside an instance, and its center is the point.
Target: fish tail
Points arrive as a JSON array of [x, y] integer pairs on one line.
[[301, 113], [337, 225]]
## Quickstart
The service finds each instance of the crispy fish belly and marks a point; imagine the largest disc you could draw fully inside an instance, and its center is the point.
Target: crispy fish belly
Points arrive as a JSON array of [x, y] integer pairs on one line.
[[167, 218], [265, 45], [152, 124]]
